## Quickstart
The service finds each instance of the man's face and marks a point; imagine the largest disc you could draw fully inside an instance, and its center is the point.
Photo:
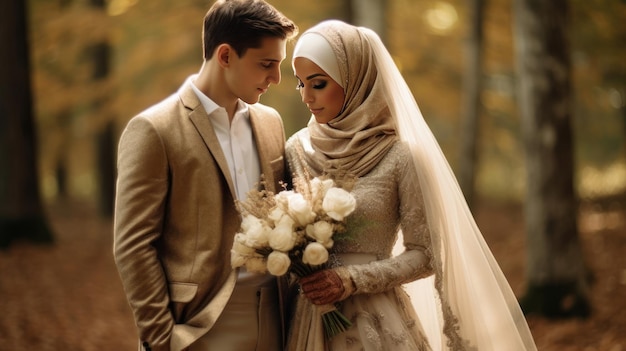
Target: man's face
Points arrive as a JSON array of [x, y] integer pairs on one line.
[[250, 75]]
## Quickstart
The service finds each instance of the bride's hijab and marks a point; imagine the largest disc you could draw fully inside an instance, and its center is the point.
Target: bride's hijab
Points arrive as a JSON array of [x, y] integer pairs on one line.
[[468, 303], [358, 138]]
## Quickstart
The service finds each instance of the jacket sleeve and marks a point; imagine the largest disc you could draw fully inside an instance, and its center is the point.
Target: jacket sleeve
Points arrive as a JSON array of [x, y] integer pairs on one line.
[[140, 197]]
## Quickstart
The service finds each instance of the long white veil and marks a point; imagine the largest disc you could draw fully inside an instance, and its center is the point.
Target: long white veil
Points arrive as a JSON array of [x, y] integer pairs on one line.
[[468, 303]]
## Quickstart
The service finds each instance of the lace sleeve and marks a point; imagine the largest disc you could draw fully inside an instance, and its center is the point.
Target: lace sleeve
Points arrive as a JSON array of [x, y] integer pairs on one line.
[[383, 275], [414, 262]]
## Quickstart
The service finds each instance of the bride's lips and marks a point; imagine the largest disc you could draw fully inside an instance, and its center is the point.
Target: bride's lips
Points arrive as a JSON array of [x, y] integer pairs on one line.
[[315, 111]]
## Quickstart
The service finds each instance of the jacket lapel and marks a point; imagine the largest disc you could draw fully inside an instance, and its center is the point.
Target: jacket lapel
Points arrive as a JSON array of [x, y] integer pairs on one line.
[[260, 136], [200, 120]]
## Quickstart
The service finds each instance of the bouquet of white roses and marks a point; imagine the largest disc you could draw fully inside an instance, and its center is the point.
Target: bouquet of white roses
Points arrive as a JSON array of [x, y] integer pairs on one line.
[[291, 231]]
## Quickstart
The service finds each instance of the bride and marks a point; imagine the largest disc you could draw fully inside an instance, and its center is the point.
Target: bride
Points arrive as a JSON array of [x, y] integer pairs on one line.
[[411, 232]]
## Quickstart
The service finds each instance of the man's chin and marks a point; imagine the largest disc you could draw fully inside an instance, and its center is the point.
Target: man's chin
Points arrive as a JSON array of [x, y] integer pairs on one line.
[[251, 100]]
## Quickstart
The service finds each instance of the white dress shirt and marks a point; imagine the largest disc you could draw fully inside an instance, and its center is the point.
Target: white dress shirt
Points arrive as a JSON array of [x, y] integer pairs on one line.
[[241, 153], [237, 143]]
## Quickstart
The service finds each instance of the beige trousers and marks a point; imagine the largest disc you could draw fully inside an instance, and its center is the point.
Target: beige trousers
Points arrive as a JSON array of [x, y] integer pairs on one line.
[[250, 322]]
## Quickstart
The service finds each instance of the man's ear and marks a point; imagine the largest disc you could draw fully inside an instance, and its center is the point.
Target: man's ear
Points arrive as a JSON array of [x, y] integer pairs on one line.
[[223, 54]]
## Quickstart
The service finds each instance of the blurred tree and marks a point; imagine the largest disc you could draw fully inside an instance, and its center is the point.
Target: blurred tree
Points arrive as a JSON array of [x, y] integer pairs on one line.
[[21, 213], [71, 104], [557, 276], [620, 97], [425, 40], [63, 118], [370, 14], [52, 109], [598, 37], [100, 53], [471, 105]]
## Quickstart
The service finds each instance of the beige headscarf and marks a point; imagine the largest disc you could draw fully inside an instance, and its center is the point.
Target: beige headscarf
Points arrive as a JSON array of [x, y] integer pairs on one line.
[[364, 131]]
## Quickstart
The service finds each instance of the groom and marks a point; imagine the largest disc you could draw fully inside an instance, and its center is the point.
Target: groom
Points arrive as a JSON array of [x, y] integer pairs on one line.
[[182, 163]]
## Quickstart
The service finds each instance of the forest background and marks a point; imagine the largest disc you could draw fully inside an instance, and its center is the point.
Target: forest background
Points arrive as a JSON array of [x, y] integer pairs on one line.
[[153, 46]]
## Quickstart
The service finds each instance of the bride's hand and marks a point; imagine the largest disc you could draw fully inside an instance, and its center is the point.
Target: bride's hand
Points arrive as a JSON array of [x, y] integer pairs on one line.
[[323, 287]]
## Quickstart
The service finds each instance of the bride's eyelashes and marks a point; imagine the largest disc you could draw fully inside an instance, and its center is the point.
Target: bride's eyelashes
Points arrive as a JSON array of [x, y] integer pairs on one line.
[[319, 85], [315, 85]]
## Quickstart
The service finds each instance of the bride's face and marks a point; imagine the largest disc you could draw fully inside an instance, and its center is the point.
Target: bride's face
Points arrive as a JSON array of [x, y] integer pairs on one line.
[[321, 94]]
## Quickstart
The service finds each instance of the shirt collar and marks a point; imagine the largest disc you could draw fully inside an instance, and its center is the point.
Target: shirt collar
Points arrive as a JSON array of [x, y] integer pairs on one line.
[[210, 106]]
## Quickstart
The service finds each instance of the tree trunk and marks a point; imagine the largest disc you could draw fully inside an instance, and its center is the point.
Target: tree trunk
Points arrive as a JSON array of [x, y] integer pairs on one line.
[[557, 284], [21, 211], [370, 14], [63, 123], [105, 140], [622, 110], [471, 110]]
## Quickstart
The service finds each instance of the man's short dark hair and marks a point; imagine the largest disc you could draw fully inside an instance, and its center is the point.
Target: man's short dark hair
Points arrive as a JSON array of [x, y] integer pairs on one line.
[[243, 24]]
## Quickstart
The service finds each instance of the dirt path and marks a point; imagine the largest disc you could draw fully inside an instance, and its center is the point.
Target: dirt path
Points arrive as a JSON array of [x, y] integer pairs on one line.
[[67, 296]]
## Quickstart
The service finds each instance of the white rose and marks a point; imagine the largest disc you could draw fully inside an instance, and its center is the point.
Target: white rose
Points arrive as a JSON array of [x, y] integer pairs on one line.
[[328, 243], [278, 263], [256, 231], [276, 214], [319, 187], [315, 254], [249, 221], [301, 210], [321, 231], [256, 264], [237, 259], [282, 237], [259, 238], [282, 198], [338, 203], [240, 245]]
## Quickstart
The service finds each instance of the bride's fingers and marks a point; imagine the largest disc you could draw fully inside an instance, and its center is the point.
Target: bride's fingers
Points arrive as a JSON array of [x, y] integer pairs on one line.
[[324, 296], [313, 287], [314, 282], [312, 278]]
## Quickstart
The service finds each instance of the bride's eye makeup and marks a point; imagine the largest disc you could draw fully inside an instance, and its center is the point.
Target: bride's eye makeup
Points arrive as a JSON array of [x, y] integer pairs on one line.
[[319, 85], [317, 81]]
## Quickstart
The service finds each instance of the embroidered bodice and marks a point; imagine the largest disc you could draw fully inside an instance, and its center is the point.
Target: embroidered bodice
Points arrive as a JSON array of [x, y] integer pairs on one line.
[[388, 199]]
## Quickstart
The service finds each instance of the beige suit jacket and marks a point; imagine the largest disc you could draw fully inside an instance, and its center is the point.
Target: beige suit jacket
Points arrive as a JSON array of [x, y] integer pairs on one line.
[[175, 216]]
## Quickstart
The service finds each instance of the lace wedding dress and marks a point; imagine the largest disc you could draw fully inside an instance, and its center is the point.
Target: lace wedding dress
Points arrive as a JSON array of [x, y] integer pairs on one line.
[[381, 312], [459, 298]]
